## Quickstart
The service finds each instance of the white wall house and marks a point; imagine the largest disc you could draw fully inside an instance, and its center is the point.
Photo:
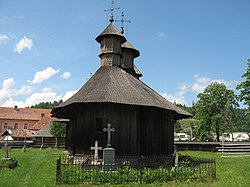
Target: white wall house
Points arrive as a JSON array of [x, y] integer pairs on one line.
[[237, 137]]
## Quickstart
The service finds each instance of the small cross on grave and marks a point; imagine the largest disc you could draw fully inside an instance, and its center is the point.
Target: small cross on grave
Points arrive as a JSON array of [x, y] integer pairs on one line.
[[109, 130], [5, 151], [96, 149]]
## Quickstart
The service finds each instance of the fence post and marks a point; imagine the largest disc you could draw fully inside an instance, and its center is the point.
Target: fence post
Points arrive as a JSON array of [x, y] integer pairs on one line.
[[58, 171], [214, 169], [141, 168]]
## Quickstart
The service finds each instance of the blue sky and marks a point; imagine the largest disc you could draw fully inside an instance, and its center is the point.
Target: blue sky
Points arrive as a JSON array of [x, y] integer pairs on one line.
[[48, 48]]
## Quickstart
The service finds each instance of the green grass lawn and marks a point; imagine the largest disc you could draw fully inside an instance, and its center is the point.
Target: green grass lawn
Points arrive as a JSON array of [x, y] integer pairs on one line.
[[35, 168], [38, 168]]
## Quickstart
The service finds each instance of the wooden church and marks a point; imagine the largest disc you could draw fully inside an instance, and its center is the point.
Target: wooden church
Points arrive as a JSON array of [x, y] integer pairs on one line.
[[143, 119]]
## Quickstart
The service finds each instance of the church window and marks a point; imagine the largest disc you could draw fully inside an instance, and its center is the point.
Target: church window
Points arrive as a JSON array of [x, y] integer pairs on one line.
[[98, 124]]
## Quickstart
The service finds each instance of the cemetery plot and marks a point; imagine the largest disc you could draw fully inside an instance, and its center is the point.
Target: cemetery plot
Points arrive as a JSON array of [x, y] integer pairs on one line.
[[140, 170]]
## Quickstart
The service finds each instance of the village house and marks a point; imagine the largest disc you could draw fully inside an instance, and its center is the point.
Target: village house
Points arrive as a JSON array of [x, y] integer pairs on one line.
[[237, 137], [21, 122]]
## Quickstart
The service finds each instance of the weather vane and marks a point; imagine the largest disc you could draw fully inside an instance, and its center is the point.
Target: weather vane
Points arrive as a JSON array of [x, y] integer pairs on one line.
[[122, 22], [112, 9]]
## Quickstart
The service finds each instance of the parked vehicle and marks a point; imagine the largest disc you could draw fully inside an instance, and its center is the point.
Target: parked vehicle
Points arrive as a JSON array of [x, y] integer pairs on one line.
[[181, 137]]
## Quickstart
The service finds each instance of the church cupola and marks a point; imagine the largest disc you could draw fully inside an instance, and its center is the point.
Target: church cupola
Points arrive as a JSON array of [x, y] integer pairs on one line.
[[110, 40], [129, 53]]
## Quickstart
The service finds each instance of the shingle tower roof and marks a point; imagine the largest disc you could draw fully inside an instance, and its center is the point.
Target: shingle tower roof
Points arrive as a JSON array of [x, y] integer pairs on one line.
[[129, 46], [111, 30]]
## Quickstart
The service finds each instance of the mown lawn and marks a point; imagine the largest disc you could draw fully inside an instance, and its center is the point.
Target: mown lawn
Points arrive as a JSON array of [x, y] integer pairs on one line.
[[35, 168], [38, 167]]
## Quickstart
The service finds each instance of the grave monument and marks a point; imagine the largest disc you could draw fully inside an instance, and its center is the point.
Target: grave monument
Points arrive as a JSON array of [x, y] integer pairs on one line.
[[108, 152], [5, 152], [96, 148]]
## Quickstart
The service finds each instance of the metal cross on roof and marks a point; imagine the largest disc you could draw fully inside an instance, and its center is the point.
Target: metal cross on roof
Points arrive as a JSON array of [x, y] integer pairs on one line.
[[96, 149], [109, 130], [122, 22], [112, 9]]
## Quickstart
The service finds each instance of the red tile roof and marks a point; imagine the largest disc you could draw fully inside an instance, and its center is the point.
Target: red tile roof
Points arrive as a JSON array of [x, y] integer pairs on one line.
[[41, 117], [23, 113]]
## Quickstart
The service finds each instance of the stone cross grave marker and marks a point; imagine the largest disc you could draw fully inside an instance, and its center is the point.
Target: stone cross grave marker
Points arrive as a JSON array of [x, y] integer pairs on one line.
[[5, 151], [109, 130], [108, 152], [96, 149]]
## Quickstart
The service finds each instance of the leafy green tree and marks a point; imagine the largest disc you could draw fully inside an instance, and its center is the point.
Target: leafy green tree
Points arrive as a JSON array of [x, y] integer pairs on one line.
[[177, 126], [191, 110], [57, 129], [47, 105], [241, 121], [244, 87], [211, 108]]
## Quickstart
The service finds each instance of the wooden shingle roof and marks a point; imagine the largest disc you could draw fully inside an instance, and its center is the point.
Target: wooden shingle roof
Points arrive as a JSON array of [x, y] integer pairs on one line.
[[111, 84], [129, 46], [44, 132], [137, 71], [111, 30]]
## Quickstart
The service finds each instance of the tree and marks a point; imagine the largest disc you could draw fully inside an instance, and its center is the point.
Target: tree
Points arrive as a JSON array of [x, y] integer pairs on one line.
[[47, 105], [177, 126], [241, 120], [57, 129], [186, 108], [244, 87], [211, 108]]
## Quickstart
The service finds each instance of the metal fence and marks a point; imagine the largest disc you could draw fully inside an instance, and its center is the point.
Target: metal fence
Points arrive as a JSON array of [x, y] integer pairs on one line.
[[72, 170]]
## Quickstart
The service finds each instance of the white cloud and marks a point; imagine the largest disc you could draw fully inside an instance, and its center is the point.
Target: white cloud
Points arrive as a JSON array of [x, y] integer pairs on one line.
[[160, 35], [69, 94], [8, 83], [66, 75], [178, 97], [44, 75], [4, 38], [47, 95], [202, 82], [24, 90], [11, 103], [6, 90], [22, 44]]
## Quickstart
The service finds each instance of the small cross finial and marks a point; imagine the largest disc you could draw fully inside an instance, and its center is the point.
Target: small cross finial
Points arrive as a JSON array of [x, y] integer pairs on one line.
[[109, 130], [112, 9], [122, 23]]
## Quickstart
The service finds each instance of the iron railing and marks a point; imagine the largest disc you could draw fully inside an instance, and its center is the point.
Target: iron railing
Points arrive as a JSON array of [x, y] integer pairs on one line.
[[72, 170]]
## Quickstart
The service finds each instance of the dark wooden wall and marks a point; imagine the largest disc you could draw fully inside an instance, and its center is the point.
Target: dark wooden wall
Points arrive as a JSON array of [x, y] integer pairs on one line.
[[139, 130], [155, 131]]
